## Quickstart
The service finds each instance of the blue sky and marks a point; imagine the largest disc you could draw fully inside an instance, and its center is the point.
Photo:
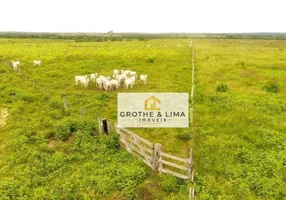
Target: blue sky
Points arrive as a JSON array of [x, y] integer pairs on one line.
[[212, 16]]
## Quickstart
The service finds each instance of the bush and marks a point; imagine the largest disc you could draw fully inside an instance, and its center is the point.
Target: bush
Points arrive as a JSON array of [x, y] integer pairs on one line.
[[67, 127], [185, 135], [112, 142], [150, 60], [62, 132], [222, 87], [83, 125], [273, 87], [169, 183]]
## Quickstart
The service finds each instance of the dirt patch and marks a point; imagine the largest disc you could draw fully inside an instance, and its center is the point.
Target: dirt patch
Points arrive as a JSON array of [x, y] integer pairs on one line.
[[52, 144], [3, 117], [68, 142]]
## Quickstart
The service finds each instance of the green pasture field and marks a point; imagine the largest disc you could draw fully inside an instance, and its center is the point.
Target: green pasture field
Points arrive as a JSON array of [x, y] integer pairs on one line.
[[51, 153]]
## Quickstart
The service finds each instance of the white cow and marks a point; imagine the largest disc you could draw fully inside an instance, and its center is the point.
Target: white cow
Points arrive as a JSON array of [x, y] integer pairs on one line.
[[83, 80], [115, 72], [93, 77], [16, 62], [115, 83], [99, 83], [37, 62], [128, 82], [143, 78], [103, 79], [121, 77], [132, 73], [78, 79], [15, 65], [107, 85], [133, 78], [126, 72]]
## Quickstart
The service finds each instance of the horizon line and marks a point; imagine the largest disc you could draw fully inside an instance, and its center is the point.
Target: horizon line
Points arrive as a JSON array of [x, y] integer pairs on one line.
[[108, 32]]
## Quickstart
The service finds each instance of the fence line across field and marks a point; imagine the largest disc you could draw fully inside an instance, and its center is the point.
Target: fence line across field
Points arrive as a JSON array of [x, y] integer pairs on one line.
[[192, 190]]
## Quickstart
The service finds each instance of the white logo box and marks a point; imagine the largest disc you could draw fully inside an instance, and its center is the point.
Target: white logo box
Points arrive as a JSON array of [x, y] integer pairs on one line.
[[153, 110]]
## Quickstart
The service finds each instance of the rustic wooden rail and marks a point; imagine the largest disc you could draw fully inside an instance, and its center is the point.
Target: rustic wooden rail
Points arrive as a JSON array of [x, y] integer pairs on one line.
[[153, 156]]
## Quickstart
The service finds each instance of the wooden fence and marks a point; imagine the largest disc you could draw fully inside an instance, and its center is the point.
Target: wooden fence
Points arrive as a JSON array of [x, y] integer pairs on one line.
[[153, 156]]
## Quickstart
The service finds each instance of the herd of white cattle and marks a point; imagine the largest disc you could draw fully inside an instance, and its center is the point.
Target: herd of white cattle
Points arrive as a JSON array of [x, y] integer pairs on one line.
[[126, 77], [16, 64]]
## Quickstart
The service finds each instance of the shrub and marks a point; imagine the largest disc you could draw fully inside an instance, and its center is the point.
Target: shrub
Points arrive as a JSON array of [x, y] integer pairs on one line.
[[112, 142], [2, 71], [150, 60], [83, 125], [169, 183], [56, 103], [62, 132], [273, 87], [185, 135], [222, 87]]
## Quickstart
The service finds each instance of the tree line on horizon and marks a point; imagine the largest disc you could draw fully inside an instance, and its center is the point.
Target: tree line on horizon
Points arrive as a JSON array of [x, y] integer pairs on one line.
[[110, 36]]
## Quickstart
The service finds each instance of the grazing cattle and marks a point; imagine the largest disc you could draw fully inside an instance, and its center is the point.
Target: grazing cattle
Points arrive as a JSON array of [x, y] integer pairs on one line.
[[132, 73], [78, 79], [115, 72], [37, 62], [82, 80], [133, 78], [93, 77], [99, 83], [114, 83], [128, 82], [16, 62], [143, 78], [107, 85], [126, 72], [120, 77], [15, 65]]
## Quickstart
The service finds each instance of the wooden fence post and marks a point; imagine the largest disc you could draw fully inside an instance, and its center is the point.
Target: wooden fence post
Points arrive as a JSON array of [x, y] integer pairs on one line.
[[192, 92], [48, 92], [157, 148], [105, 126], [65, 103], [190, 166], [191, 116], [34, 83], [192, 194], [81, 111], [99, 125]]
